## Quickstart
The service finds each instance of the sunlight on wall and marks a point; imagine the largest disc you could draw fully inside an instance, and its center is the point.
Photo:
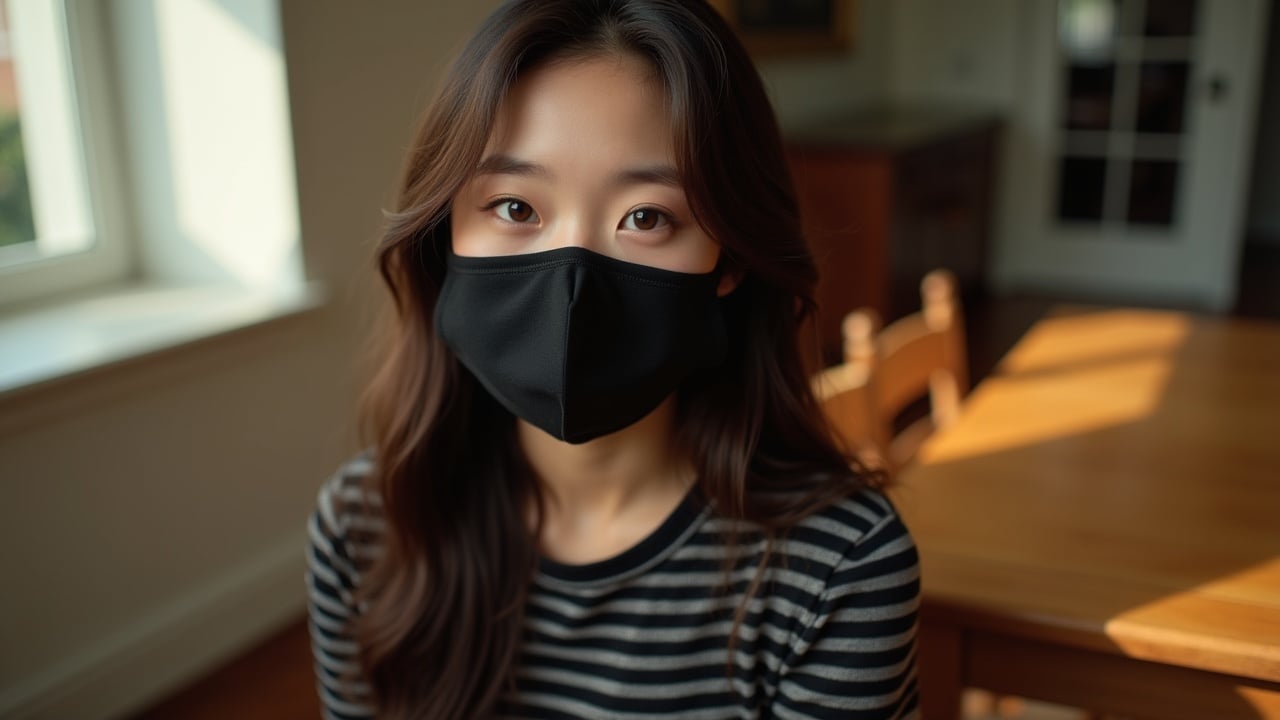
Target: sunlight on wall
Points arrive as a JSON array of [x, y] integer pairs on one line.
[[224, 83]]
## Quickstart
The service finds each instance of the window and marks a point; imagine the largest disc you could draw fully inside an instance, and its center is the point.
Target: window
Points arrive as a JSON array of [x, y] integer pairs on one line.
[[159, 181], [1127, 77], [54, 236], [17, 227]]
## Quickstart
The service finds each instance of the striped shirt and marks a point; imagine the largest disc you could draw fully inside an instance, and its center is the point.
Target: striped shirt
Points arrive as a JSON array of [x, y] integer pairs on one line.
[[830, 634]]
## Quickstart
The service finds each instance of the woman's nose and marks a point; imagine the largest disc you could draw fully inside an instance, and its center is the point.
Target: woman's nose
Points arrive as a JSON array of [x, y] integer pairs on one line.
[[577, 232]]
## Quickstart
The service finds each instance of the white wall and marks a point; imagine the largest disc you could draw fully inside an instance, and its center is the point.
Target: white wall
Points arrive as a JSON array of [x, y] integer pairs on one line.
[[955, 52], [1264, 200], [805, 88], [153, 514], [979, 52]]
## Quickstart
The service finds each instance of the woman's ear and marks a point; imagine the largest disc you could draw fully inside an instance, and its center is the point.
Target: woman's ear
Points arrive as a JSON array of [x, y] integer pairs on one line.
[[730, 276]]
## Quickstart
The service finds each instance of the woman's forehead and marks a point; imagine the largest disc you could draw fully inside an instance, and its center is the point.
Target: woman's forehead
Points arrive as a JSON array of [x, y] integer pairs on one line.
[[608, 107]]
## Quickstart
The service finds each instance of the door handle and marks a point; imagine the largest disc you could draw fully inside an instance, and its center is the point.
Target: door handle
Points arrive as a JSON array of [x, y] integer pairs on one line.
[[1217, 87]]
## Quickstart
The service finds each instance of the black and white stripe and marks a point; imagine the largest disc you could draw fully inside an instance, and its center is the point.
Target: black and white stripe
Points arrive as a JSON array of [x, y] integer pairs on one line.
[[644, 634]]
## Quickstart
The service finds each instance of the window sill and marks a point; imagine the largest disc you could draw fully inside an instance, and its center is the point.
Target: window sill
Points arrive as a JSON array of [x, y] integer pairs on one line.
[[43, 347]]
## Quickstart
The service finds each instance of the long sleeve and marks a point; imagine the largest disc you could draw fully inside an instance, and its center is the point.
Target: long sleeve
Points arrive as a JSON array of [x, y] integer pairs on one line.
[[331, 580], [857, 659]]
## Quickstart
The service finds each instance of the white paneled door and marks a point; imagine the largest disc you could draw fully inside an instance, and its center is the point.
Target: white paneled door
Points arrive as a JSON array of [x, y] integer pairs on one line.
[[1129, 148]]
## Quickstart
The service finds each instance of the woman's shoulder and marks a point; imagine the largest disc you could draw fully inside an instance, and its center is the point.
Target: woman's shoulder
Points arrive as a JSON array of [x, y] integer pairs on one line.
[[860, 534], [858, 517], [348, 506]]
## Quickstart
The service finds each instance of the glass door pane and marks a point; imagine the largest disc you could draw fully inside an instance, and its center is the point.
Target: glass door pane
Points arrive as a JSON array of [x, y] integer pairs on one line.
[[1126, 72]]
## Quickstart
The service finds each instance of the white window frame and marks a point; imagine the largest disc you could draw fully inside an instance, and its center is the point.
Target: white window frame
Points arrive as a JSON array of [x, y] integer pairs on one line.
[[71, 144], [187, 148]]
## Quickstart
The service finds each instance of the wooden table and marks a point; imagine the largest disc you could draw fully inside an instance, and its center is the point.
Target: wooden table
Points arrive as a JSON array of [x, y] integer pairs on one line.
[[1101, 528]]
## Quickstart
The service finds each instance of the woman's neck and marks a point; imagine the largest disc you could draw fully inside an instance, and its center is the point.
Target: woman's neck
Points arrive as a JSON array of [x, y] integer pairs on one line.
[[634, 468]]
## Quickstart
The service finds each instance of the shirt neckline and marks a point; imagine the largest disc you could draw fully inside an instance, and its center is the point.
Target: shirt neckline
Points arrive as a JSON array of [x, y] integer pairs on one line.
[[671, 533]]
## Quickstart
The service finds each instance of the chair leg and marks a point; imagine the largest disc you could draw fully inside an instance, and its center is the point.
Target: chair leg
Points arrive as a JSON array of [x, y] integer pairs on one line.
[[978, 704], [1008, 706]]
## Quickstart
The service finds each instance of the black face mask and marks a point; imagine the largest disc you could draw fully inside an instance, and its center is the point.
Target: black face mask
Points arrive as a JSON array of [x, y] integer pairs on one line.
[[577, 343]]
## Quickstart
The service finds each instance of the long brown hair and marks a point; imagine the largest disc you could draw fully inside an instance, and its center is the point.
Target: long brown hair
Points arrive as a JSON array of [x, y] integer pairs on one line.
[[444, 603]]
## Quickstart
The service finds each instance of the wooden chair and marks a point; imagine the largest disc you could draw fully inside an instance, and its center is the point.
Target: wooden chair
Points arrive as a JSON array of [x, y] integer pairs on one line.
[[846, 394], [885, 370]]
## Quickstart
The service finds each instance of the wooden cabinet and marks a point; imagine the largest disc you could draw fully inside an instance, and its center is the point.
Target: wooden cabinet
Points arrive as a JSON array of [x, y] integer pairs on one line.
[[886, 196]]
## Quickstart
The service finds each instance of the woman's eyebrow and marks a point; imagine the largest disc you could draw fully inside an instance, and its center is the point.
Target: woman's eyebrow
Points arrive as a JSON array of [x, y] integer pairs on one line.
[[656, 174], [506, 165], [500, 164]]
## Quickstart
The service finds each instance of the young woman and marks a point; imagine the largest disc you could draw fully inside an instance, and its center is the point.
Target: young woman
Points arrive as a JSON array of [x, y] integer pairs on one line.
[[598, 485]]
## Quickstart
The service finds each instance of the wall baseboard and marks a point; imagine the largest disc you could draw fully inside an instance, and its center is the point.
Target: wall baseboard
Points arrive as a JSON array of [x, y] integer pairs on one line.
[[1264, 235], [140, 664], [1100, 291]]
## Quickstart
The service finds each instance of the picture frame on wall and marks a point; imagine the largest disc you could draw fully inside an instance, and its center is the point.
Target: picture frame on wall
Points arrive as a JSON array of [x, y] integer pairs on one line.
[[791, 27]]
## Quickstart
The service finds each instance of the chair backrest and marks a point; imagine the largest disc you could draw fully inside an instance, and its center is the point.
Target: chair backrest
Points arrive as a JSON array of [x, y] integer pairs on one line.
[[847, 397], [885, 370]]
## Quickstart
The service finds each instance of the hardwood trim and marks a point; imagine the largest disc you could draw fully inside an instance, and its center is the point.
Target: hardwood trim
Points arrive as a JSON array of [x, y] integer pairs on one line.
[[1111, 683]]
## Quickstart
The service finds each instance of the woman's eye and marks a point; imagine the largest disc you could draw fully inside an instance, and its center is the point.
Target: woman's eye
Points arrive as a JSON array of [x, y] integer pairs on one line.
[[644, 219], [516, 211]]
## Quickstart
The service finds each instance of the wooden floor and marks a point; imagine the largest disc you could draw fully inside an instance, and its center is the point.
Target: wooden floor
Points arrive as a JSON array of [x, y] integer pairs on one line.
[[274, 680]]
